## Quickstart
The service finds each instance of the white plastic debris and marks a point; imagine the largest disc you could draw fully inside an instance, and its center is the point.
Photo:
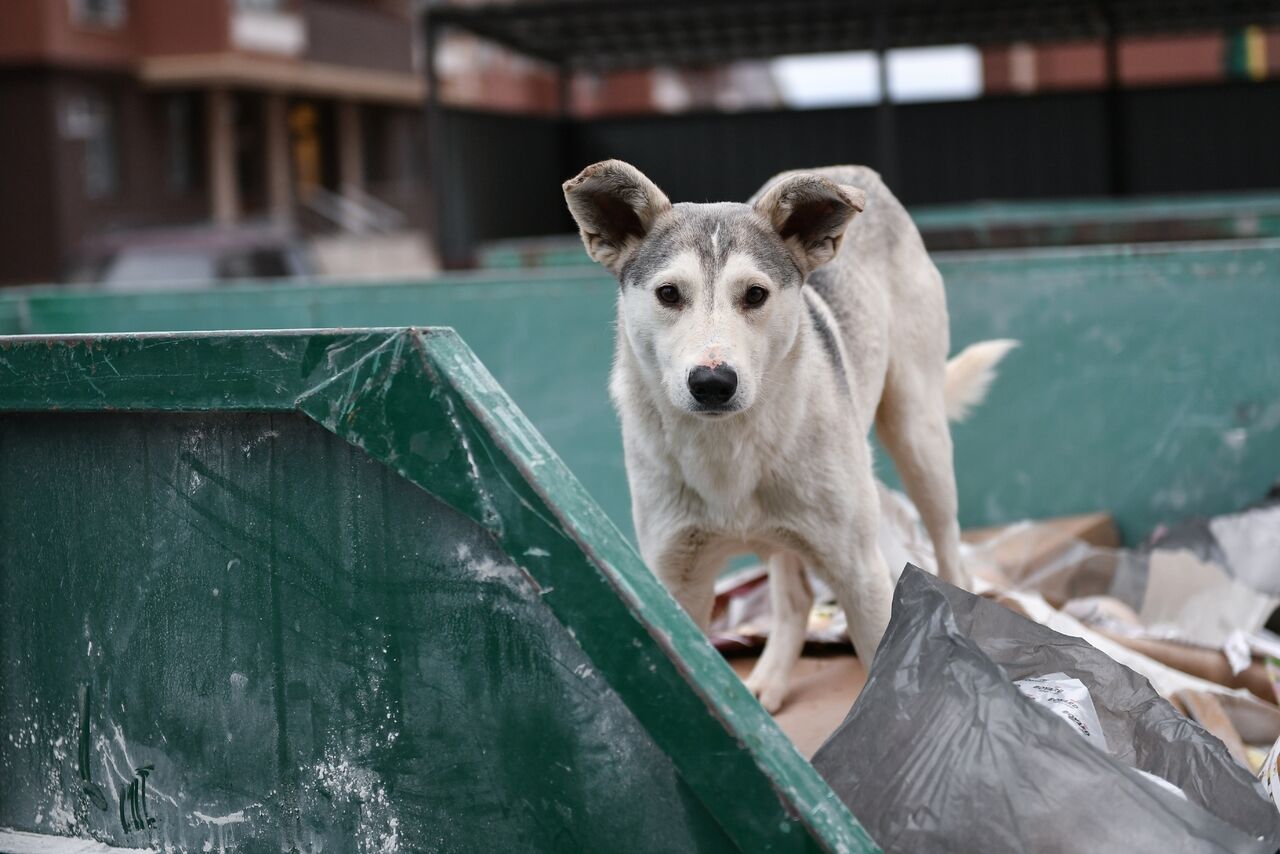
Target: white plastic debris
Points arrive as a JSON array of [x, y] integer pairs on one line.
[[1068, 699]]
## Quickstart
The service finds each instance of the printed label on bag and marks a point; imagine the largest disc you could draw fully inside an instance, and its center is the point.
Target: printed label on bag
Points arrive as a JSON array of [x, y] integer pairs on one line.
[[1069, 699]]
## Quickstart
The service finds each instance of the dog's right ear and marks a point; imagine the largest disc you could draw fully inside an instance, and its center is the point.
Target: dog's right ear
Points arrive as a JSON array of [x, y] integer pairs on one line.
[[615, 206]]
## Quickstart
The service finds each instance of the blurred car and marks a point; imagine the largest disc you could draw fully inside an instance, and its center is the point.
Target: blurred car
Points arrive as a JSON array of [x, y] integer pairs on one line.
[[180, 258]]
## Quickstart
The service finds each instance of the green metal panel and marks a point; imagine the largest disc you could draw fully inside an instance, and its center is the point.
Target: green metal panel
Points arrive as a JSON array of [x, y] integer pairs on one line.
[[563, 250], [1148, 382], [547, 337], [1094, 221], [993, 224], [409, 630], [12, 316], [1145, 385]]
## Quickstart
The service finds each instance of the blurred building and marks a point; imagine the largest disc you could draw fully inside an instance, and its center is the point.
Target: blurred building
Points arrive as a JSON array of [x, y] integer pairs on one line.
[[125, 114], [482, 75], [479, 74], [137, 113], [1208, 57]]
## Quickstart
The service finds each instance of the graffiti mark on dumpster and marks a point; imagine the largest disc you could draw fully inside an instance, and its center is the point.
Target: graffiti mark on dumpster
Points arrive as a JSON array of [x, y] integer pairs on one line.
[[133, 802], [91, 789], [133, 795]]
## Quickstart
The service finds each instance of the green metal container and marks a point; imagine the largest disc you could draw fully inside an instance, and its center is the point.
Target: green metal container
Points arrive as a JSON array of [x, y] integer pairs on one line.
[[1145, 385], [1004, 225], [331, 591]]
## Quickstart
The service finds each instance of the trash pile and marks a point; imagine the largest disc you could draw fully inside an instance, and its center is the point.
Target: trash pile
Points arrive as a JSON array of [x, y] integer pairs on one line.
[[1088, 689], [944, 750]]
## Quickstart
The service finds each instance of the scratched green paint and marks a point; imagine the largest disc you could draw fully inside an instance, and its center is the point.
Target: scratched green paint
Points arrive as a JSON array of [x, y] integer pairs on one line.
[[411, 626], [1145, 385], [331, 670], [1148, 382]]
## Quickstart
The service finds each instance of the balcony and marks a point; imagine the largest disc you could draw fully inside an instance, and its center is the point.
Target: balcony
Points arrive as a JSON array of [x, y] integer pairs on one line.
[[270, 32], [358, 35], [346, 50]]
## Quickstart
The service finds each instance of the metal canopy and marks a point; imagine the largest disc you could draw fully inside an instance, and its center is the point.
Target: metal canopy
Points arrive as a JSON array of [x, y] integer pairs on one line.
[[613, 34]]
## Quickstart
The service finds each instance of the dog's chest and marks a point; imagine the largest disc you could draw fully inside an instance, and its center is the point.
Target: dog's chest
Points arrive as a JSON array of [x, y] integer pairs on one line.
[[721, 478]]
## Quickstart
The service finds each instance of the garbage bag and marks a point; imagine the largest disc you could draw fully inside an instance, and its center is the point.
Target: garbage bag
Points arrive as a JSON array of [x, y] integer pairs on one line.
[[942, 752]]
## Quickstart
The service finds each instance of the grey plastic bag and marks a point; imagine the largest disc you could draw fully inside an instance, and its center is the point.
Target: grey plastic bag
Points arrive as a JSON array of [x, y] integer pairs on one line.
[[941, 752]]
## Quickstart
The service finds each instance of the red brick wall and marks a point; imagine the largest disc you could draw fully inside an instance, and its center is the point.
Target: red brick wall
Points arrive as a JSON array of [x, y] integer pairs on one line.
[[40, 30], [21, 29], [620, 92], [44, 30], [192, 26], [77, 43], [1075, 65], [1145, 61], [1173, 59]]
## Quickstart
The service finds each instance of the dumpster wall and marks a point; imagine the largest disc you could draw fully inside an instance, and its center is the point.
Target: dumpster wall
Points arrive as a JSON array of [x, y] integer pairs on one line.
[[1144, 384], [1006, 224], [332, 591], [237, 629]]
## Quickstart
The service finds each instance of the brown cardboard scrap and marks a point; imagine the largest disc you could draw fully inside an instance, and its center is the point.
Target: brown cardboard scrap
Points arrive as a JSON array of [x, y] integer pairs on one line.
[[1061, 558], [1206, 710], [822, 690], [1202, 602], [1199, 661]]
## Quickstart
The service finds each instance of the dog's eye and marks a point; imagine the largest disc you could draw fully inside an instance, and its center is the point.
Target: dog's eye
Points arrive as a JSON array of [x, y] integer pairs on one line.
[[755, 296], [669, 295]]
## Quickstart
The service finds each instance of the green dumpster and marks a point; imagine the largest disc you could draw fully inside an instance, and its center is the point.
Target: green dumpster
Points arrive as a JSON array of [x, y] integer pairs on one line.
[[1002, 225], [1144, 386], [331, 591]]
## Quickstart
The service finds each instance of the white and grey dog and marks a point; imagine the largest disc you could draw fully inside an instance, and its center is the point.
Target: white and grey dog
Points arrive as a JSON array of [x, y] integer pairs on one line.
[[747, 380]]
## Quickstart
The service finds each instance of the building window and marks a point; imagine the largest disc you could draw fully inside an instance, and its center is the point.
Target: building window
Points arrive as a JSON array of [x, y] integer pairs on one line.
[[182, 144], [102, 153], [373, 146], [91, 120], [110, 14]]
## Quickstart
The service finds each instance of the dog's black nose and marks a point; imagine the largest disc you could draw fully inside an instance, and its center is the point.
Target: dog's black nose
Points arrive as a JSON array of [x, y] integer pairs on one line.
[[713, 386]]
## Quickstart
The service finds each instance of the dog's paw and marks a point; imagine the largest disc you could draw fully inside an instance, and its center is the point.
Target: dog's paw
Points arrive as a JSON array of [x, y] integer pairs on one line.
[[769, 690]]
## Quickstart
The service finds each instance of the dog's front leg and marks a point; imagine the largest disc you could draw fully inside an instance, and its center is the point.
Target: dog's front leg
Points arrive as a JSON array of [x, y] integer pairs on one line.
[[867, 603], [855, 569], [791, 599], [687, 564]]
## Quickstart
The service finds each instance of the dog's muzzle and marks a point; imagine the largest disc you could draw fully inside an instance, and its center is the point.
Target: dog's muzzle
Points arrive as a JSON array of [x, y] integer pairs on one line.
[[713, 388]]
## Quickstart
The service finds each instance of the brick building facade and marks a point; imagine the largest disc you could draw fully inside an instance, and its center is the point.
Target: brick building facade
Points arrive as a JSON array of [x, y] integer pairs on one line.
[[120, 114]]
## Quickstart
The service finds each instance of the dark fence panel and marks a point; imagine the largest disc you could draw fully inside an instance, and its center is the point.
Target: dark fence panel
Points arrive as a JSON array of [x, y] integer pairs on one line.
[[504, 171], [714, 157], [28, 209], [992, 148], [498, 176], [1206, 138], [1047, 146]]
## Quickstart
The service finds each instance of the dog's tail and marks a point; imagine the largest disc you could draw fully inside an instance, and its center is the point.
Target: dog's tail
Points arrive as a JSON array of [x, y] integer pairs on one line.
[[970, 373]]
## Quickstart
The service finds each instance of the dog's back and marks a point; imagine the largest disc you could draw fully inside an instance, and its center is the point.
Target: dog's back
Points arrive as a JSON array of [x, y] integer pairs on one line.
[[885, 292]]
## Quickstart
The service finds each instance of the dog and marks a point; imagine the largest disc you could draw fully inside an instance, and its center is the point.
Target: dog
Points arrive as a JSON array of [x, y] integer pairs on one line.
[[752, 358]]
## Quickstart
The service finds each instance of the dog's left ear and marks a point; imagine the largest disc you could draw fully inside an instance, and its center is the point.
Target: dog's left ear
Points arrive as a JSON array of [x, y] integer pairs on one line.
[[810, 213], [615, 206]]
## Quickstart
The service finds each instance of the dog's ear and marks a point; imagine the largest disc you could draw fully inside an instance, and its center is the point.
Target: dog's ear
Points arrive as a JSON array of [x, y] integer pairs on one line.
[[810, 213], [615, 206]]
